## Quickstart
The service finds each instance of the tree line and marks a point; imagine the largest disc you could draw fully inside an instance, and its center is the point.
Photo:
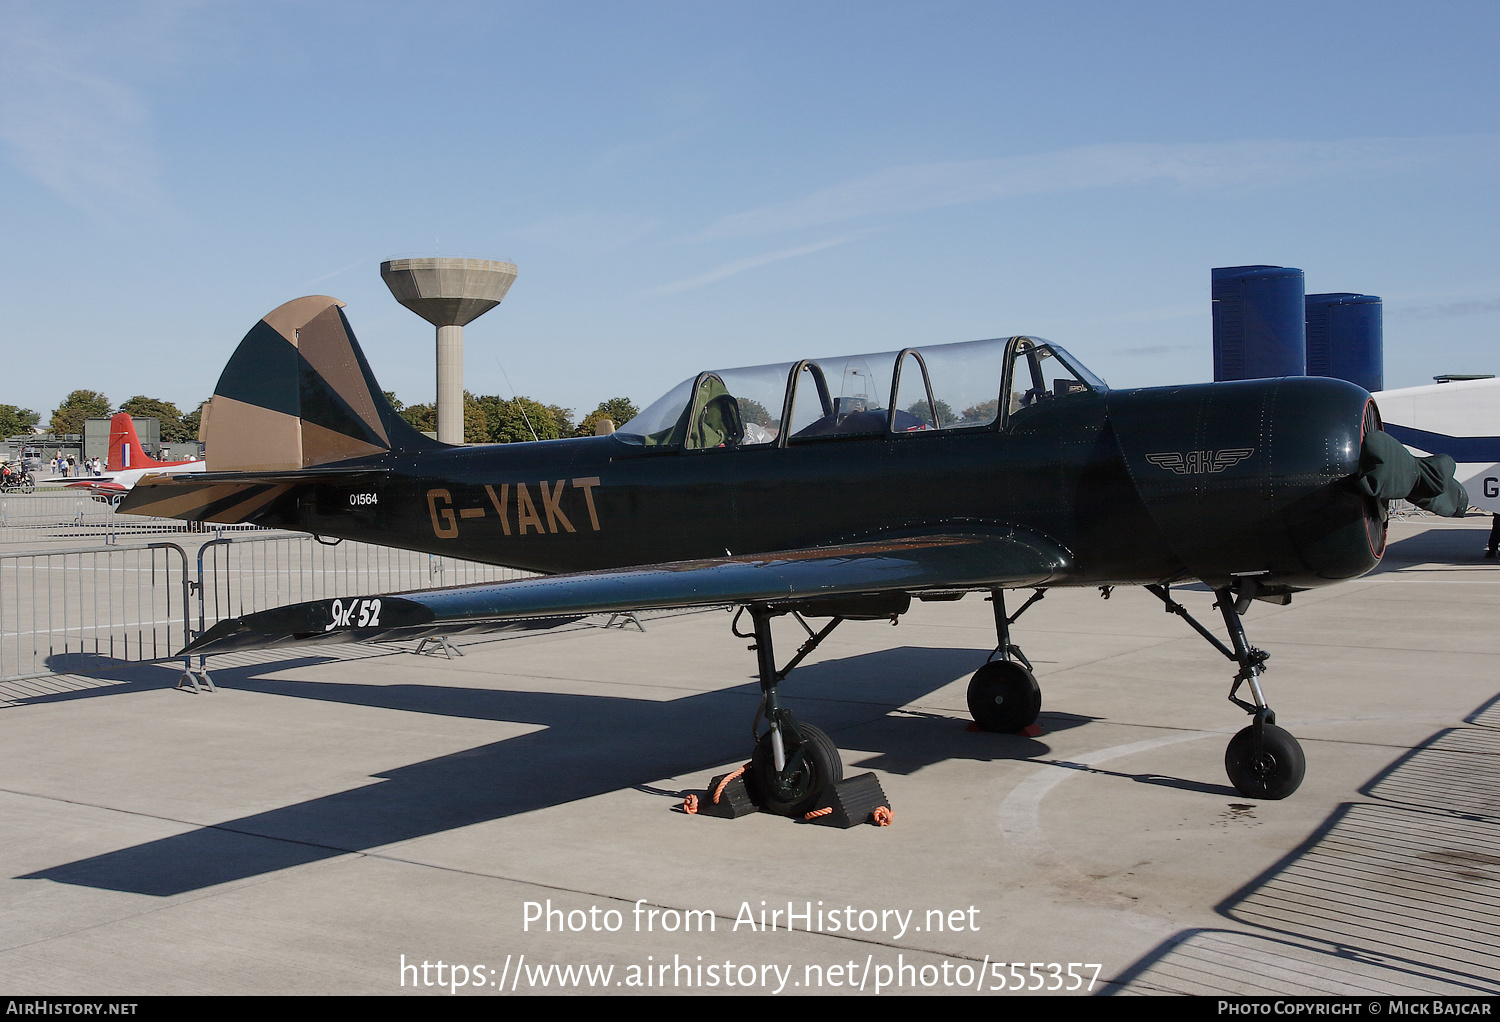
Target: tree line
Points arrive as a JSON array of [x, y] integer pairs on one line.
[[491, 419], [90, 404], [488, 418]]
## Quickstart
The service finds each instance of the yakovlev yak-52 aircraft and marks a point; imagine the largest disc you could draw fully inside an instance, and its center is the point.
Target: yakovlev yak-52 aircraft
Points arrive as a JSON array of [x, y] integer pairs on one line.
[[834, 487]]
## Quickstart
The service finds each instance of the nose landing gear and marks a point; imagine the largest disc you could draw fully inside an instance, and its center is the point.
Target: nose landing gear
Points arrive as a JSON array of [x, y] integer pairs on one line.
[[1262, 760]]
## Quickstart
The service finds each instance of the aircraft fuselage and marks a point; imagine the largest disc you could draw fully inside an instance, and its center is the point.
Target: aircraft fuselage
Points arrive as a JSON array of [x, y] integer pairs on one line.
[[1209, 481]]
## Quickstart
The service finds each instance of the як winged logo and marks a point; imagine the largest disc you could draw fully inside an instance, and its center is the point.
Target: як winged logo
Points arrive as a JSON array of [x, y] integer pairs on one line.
[[1198, 462]]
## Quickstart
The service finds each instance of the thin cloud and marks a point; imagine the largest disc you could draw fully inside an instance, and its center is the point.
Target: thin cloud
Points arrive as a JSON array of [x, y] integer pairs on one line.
[[1154, 349], [587, 234], [1200, 165], [1445, 311], [1158, 314], [361, 261], [749, 263], [76, 130]]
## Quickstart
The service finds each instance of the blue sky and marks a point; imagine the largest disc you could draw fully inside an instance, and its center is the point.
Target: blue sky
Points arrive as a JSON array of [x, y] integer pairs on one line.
[[692, 185]]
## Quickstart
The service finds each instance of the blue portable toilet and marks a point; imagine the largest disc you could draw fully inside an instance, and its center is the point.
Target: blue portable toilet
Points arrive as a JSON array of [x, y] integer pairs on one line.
[[1345, 339], [1259, 322]]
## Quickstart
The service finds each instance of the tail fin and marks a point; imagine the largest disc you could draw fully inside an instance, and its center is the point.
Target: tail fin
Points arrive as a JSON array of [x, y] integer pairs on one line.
[[298, 393], [125, 450]]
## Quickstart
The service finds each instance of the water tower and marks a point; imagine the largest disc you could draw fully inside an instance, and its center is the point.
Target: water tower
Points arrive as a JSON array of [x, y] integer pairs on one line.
[[449, 293]]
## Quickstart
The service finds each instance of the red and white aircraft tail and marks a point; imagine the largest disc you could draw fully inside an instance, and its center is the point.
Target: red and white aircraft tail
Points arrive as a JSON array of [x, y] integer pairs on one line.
[[128, 461], [125, 450]]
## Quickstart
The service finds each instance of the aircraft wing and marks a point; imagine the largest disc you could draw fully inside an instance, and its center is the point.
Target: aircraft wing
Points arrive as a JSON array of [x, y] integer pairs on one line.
[[936, 561]]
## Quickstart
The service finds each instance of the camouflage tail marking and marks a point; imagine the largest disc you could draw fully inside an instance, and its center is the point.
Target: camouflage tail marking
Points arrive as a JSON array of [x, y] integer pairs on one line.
[[194, 501], [298, 393]]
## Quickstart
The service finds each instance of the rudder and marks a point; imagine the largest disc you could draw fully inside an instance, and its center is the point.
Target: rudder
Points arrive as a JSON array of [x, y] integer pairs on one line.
[[125, 450]]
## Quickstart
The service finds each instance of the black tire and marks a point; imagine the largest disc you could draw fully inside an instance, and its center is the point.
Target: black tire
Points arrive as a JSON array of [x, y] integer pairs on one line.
[[799, 793], [1004, 697], [1275, 773]]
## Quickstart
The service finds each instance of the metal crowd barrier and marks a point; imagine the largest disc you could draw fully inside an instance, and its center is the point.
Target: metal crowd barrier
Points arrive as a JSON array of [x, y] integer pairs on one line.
[[83, 609], [75, 515], [72, 610], [23, 513], [246, 574]]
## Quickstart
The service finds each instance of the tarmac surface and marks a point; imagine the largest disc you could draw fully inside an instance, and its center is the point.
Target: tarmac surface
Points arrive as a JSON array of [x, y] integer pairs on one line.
[[342, 821]]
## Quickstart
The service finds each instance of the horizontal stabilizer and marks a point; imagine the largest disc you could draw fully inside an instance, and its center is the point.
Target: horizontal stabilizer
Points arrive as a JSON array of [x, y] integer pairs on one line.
[[1010, 557], [226, 498]]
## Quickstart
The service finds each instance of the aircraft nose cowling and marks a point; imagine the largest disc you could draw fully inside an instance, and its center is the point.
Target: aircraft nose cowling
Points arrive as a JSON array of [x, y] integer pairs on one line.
[[1388, 471], [1252, 478]]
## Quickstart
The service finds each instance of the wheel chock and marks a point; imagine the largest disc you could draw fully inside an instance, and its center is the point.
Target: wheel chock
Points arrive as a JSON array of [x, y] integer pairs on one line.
[[853, 801], [727, 797]]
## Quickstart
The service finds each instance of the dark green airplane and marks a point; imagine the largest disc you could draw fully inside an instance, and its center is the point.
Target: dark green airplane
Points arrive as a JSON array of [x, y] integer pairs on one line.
[[830, 488]]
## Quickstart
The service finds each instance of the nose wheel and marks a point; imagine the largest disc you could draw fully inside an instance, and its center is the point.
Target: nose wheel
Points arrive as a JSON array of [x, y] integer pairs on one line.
[[1267, 765]]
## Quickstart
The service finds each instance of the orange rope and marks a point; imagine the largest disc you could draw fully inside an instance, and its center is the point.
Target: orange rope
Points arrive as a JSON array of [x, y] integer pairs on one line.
[[725, 782], [690, 805], [883, 816], [818, 812]]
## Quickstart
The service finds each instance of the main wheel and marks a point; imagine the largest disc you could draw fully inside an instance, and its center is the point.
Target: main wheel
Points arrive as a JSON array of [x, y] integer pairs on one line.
[[1004, 696], [797, 790], [1273, 773]]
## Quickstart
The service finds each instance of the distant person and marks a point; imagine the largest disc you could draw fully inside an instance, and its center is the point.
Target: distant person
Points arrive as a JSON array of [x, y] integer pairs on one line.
[[72, 466], [1494, 544]]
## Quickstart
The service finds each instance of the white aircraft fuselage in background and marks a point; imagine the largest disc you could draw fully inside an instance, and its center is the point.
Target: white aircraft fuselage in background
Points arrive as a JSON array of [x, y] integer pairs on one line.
[[1460, 419]]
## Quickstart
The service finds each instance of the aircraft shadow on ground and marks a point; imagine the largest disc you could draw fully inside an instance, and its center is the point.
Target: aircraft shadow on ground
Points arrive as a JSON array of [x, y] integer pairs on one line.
[[1396, 894], [1455, 546], [587, 745]]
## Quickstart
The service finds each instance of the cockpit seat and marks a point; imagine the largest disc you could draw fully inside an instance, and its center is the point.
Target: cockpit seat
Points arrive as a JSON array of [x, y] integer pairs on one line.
[[719, 423]]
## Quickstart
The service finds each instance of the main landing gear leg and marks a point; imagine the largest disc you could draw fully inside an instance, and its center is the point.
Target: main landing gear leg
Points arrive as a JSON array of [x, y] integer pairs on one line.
[[1003, 694], [1262, 761], [794, 763]]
